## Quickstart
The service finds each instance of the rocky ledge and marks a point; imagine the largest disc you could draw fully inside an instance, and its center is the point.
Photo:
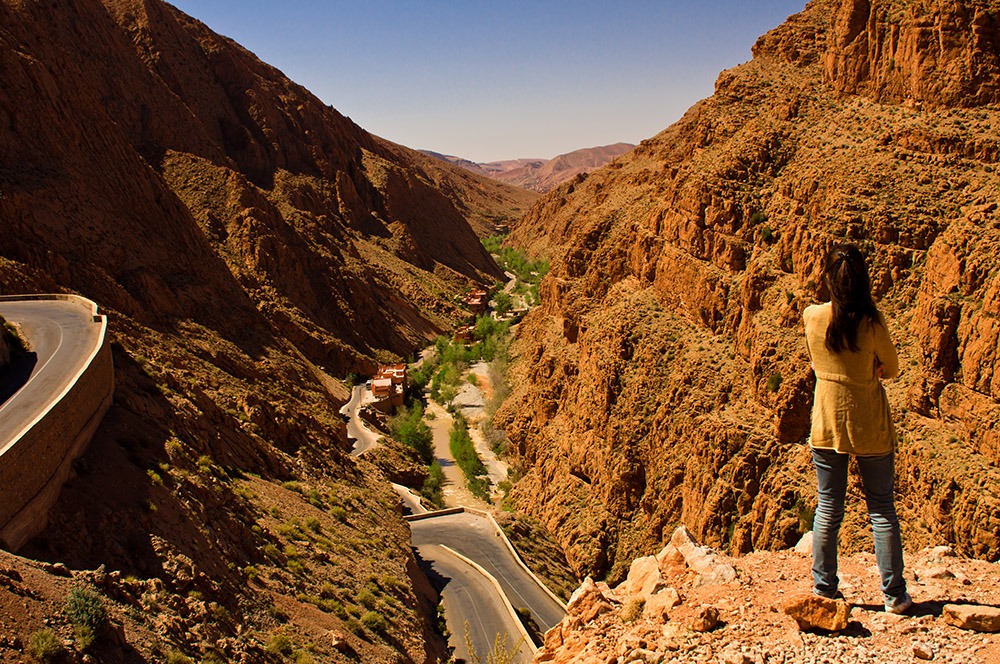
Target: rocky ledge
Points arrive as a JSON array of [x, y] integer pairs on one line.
[[689, 603]]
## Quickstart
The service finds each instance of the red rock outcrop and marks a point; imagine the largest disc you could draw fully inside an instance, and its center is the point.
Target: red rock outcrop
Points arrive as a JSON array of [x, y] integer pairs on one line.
[[664, 378]]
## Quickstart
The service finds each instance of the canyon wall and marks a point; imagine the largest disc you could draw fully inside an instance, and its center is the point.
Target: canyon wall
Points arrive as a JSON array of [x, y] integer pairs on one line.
[[249, 245], [664, 380]]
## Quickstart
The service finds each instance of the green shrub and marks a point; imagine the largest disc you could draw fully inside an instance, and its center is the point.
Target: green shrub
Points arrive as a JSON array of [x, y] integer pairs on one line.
[[45, 645], [409, 428], [313, 524], [366, 598], [431, 489], [375, 621], [280, 644], [774, 381], [278, 613], [84, 608], [468, 459], [175, 657]]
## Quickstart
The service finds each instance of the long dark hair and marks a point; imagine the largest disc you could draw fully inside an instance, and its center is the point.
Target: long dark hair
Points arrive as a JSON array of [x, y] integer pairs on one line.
[[846, 277]]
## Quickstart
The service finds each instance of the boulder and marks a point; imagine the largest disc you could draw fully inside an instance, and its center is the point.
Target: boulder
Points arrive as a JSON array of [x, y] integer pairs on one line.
[[706, 619], [710, 566], [805, 544], [643, 578], [814, 612], [587, 602], [976, 617]]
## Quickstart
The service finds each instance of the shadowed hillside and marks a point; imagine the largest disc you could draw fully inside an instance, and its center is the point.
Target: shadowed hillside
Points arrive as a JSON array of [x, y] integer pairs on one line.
[[248, 244]]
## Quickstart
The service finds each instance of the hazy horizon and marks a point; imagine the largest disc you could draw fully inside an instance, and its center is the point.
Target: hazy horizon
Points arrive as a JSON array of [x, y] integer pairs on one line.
[[500, 82]]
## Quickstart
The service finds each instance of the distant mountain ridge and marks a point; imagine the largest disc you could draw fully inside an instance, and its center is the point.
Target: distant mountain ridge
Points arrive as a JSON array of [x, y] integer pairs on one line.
[[540, 175]]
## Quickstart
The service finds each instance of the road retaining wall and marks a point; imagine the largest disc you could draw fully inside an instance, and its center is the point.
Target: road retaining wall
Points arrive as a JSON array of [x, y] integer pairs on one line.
[[38, 461]]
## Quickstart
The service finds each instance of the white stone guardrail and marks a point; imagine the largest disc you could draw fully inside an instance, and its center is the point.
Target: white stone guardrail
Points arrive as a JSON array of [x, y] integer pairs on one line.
[[37, 461]]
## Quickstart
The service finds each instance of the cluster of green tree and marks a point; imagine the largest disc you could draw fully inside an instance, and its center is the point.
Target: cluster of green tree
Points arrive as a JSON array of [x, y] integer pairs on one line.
[[443, 369], [464, 451], [409, 428], [529, 272]]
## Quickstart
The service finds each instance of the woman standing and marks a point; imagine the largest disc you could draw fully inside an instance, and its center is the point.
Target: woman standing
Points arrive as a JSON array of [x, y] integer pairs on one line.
[[851, 352]]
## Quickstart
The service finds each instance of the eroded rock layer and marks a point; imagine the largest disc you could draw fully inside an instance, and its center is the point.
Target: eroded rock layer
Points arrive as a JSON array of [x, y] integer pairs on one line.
[[664, 380]]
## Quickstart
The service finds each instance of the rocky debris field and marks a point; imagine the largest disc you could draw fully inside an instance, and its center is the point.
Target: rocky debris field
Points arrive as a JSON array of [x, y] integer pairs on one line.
[[689, 603]]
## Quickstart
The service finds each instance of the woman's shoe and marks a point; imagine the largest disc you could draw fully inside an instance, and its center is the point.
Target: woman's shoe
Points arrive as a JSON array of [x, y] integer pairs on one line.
[[900, 605]]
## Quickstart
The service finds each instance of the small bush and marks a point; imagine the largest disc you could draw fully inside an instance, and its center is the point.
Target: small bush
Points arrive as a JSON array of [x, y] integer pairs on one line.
[[280, 644], [375, 621], [84, 636], [633, 609], [45, 645], [366, 598], [338, 513], [175, 657], [774, 381], [313, 524], [278, 613], [84, 608]]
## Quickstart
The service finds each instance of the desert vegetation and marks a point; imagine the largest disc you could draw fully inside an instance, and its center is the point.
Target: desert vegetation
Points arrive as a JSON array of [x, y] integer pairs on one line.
[[527, 272]]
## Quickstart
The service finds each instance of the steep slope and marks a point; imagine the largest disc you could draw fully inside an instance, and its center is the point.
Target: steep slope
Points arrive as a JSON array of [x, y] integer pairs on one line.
[[664, 378], [247, 242]]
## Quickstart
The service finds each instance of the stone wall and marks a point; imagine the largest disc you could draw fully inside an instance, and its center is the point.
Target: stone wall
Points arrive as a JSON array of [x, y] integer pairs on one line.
[[37, 463]]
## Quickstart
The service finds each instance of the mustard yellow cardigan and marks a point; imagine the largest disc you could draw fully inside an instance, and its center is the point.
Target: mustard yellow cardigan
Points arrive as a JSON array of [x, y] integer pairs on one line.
[[850, 411]]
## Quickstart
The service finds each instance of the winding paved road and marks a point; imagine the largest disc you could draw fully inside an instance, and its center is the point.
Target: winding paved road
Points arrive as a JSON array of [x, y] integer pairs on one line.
[[469, 597], [475, 537], [62, 336], [364, 438]]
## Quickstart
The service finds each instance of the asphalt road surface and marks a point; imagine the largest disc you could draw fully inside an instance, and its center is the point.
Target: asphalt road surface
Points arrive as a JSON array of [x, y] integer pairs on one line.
[[61, 336], [364, 438], [475, 538], [469, 597]]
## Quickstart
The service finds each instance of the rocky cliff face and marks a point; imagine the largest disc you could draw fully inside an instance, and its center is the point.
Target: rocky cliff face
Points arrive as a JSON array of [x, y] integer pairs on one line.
[[665, 380], [248, 242]]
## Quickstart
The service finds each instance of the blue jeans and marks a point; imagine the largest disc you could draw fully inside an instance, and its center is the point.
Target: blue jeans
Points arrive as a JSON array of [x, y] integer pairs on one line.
[[877, 476]]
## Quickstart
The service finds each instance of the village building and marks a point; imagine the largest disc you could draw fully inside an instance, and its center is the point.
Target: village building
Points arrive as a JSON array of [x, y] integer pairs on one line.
[[477, 301], [464, 334], [389, 384]]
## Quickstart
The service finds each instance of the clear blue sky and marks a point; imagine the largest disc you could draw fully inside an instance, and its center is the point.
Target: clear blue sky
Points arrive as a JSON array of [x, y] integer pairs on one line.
[[492, 80]]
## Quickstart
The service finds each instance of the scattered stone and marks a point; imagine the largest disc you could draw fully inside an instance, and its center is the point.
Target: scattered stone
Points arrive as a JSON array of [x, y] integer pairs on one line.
[[659, 604], [338, 641], [943, 551], [805, 544], [706, 620], [972, 616], [707, 563], [735, 657], [57, 569], [923, 651], [814, 612], [940, 572]]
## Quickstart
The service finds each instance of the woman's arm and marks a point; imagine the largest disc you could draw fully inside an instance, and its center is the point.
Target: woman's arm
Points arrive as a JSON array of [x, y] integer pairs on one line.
[[885, 351]]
